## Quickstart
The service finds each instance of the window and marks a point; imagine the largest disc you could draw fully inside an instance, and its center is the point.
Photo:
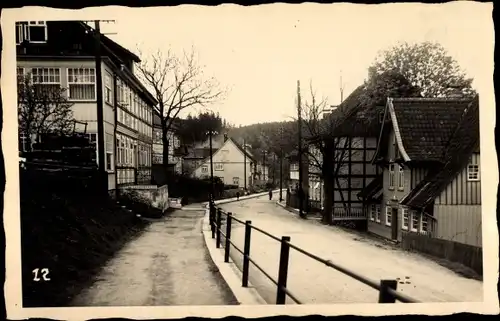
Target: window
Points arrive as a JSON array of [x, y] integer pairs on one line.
[[119, 149], [19, 33], [81, 84], [473, 171], [204, 169], [36, 32], [391, 176], [46, 80], [119, 88], [414, 221], [377, 213], [401, 178], [236, 181], [424, 224], [108, 88], [294, 167], [219, 166], [373, 211], [406, 219], [23, 142], [120, 115], [109, 152], [388, 215]]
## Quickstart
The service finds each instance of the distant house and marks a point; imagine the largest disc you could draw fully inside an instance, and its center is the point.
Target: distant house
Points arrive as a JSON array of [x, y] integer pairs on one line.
[[430, 187], [174, 152], [231, 164]]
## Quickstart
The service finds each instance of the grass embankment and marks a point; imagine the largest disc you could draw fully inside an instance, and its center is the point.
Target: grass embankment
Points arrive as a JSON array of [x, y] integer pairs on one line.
[[72, 235]]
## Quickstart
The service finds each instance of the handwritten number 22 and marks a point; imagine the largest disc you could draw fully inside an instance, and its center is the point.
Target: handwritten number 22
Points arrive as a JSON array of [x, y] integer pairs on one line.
[[45, 273]]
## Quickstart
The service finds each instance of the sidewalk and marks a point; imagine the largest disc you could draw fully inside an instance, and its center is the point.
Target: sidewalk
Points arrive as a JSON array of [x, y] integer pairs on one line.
[[168, 264], [312, 282]]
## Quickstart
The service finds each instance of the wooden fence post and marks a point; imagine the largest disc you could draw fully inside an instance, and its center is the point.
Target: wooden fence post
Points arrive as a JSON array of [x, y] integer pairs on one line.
[[228, 236], [283, 270], [246, 253], [218, 227], [384, 295]]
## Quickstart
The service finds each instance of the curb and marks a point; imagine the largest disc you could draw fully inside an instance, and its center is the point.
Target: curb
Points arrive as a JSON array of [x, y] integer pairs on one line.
[[229, 271]]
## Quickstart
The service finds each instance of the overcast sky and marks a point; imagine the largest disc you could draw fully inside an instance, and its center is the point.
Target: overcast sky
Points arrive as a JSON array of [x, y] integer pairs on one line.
[[260, 52]]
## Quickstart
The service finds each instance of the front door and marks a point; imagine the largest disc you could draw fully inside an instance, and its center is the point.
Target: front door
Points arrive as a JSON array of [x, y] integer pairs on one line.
[[394, 224]]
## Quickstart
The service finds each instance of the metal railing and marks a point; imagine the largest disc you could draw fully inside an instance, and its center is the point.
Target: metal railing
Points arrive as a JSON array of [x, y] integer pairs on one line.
[[387, 288]]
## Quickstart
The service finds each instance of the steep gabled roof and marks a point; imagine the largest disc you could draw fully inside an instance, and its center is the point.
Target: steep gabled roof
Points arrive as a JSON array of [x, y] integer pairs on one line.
[[463, 142], [424, 126], [243, 150]]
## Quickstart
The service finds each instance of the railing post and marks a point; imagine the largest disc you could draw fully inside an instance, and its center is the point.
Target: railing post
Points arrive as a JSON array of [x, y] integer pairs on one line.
[[228, 237], [283, 270], [246, 253], [384, 295], [218, 227], [212, 219]]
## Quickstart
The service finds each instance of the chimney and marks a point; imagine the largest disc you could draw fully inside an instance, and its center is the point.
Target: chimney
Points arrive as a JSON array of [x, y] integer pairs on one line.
[[225, 137], [455, 91]]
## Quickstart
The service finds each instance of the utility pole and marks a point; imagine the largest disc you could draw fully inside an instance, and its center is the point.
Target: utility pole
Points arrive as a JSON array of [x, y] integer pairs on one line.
[[299, 112], [100, 113], [274, 168], [264, 165], [244, 164], [211, 165], [281, 163]]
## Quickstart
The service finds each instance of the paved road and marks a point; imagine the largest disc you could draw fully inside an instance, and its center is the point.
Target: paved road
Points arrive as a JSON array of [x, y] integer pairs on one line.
[[167, 265], [312, 282]]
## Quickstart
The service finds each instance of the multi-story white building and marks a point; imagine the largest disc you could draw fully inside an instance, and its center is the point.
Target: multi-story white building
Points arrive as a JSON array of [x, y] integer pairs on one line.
[[62, 53]]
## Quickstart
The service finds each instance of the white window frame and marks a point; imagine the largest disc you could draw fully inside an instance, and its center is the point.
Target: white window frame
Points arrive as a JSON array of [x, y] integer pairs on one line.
[[219, 167], [405, 215], [373, 211], [204, 169], [20, 29], [391, 176], [81, 83], [401, 178], [35, 24], [108, 88], [388, 214], [236, 181], [414, 215], [377, 213], [57, 74], [109, 152], [422, 231], [473, 173]]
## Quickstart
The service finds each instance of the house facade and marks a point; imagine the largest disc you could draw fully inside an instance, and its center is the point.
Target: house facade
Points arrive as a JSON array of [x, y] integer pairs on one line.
[[231, 164], [174, 157], [430, 185], [61, 53]]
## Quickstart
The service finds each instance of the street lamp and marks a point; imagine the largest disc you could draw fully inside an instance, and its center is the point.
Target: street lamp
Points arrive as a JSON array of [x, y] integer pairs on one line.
[[210, 133], [281, 163], [264, 165]]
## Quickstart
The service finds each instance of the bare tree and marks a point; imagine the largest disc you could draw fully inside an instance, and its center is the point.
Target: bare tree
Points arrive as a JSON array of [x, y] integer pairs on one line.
[[178, 83], [42, 109], [327, 152]]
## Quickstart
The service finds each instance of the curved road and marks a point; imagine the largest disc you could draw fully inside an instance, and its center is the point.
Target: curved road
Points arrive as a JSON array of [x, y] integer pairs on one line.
[[168, 264], [313, 282]]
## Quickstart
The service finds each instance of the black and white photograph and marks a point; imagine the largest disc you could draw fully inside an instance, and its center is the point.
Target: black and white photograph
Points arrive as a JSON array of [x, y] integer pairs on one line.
[[287, 159]]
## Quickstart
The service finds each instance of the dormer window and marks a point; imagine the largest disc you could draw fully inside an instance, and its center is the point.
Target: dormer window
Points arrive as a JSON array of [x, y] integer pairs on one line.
[[36, 31]]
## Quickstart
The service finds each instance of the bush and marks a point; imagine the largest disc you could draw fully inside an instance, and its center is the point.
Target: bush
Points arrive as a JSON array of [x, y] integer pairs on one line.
[[139, 204]]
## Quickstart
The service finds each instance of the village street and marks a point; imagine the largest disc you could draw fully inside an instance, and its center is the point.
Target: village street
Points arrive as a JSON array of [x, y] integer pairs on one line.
[[168, 264], [312, 282]]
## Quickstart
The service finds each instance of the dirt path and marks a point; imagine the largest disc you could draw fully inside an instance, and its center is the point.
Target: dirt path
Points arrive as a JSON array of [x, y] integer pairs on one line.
[[167, 265]]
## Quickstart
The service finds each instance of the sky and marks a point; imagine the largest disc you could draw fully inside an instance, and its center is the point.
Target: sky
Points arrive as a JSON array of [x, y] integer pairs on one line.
[[260, 52]]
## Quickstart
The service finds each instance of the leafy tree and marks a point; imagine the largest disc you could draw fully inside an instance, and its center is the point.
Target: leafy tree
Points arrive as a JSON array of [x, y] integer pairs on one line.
[[425, 65], [42, 109]]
